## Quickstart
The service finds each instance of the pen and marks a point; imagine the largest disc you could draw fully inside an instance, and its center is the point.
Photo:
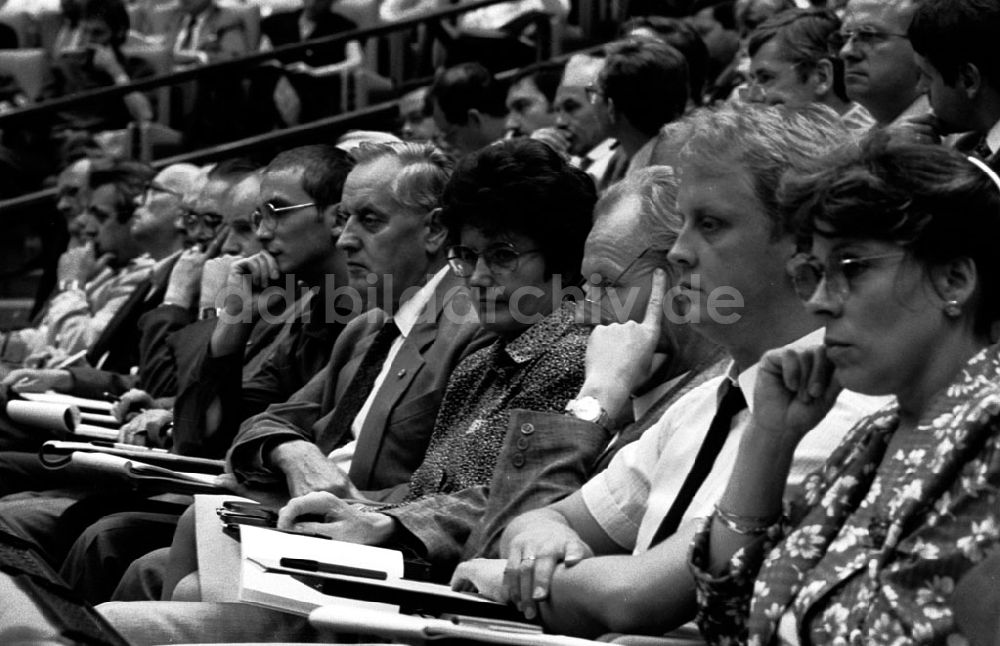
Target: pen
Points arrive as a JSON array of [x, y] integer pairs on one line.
[[331, 568]]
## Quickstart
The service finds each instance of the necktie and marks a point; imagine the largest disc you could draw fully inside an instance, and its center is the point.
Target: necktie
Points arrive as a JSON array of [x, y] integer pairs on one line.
[[730, 405], [368, 370]]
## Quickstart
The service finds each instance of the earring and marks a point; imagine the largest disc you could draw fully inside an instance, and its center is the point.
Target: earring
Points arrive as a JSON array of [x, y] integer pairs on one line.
[[952, 309]]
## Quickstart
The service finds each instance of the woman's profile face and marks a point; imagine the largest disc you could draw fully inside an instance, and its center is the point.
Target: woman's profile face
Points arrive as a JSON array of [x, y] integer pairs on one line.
[[883, 318], [508, 299]]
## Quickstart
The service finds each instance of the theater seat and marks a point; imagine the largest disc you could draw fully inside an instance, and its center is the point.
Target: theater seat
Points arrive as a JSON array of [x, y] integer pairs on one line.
[[29, 67], [161, 59]]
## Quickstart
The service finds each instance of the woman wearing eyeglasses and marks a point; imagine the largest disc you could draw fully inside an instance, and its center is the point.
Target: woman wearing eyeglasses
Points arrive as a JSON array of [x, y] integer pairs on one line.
[[904, 271], [522, 215]]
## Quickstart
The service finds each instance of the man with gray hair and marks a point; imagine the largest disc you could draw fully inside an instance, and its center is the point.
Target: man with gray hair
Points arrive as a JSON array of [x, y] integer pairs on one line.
[[730, 256]]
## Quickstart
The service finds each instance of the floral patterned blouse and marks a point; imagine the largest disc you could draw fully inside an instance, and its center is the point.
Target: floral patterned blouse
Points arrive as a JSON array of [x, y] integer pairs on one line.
[[872, 549]]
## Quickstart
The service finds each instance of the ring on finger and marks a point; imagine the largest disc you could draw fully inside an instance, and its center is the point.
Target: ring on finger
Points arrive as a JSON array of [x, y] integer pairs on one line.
[[528, 558]]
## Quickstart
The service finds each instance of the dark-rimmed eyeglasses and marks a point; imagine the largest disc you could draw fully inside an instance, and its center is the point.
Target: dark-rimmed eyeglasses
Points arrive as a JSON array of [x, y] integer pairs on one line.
[[865, 36], [267, 214], [595, 293], [807, 273], [501, 258], [192, 218]]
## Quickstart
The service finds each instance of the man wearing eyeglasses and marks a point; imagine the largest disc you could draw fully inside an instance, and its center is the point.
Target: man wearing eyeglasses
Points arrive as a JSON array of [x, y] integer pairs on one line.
[[794, 62], [879, 68]]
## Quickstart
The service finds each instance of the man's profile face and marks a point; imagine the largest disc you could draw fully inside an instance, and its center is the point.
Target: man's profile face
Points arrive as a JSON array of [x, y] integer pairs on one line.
[[726, 246], [207, 207], [619, 276], [950, 102], [158, 207], [298, 239], [242, 238], [879, 68], [584, 124], [774, 80], [110, 234], [527, 109], [387, 246], [73, 190]]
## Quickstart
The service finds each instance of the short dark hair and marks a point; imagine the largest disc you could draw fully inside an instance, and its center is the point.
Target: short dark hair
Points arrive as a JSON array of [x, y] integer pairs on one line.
[[233, 169], [743, 8], [931, 200], [805, 37], [523, 186], [647, 80], [324, 169], [113, 13], [468, 86], [546, 77], [684, 38], [129, 179], [950, 33]]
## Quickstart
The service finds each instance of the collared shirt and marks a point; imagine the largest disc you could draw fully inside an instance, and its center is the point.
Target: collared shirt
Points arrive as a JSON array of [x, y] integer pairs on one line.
[[993, 138], [857, 119], [918, 108], [406, 317], [632, 496], [595, 162], [76, 317]]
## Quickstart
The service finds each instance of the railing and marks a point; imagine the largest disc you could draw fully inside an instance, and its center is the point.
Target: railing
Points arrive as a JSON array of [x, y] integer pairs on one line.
[[283, 53]]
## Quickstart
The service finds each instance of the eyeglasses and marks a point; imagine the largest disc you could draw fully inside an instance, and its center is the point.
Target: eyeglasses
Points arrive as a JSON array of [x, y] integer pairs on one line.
[[266, 215], [595, 293], [866, 37], [593, 92], [501, 258], [807, 273], [153, 187], [192, 218]]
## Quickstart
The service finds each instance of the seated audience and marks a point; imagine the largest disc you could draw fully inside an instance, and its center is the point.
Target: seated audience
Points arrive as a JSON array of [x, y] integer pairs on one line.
[[312, 76], [95, 280], [955, 42], [98, 62], [468, 107], [793, 63], [639, 515], [902, 270], [530, 98]]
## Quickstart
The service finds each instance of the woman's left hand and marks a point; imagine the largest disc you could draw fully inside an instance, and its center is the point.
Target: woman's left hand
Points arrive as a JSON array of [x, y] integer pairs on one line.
[[342, 521], [794, 392]]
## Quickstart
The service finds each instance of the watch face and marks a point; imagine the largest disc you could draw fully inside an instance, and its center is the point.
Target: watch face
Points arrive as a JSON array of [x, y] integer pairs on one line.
[[586, 408]]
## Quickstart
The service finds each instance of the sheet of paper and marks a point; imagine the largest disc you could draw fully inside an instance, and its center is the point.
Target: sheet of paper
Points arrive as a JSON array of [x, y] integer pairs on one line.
[[262, 547]]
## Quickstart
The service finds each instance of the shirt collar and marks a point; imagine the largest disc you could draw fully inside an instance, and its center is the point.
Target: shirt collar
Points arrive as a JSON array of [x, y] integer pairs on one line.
[[919, 107], [542, 335], [747, 380], [410, 309], [602, 149], [993, 138]]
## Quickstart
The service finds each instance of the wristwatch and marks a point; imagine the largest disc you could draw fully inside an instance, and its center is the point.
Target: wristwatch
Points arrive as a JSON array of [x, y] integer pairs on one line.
[[588, 409]]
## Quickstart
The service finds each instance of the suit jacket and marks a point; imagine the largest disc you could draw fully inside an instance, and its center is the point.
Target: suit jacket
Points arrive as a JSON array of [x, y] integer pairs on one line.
[[126, 345], [283, 29], [280, 358], [398, 425], [222, 35]]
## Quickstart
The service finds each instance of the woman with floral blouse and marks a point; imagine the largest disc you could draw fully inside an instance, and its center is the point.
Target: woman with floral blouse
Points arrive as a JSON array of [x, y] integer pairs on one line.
[[903, 269]]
